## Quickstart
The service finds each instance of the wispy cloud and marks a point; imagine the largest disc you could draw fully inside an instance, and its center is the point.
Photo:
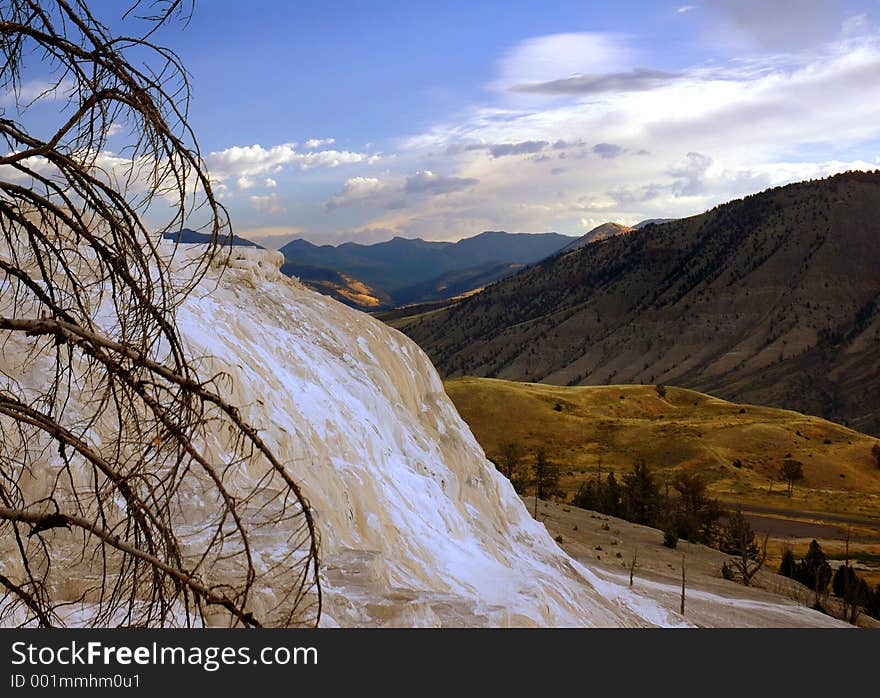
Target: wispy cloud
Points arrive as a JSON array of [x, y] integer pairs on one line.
[[269, 204], [430, 183], [36, 91], [633, 80]]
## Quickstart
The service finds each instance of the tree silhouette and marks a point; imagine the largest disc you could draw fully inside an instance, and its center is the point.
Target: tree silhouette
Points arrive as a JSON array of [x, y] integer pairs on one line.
[[546, 475], [791, 471], [511, 455], [124, 494], [738, 540]]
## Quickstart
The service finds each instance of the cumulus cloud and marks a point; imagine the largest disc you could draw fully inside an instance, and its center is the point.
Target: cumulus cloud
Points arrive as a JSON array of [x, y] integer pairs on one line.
[[711, 134], [680, 141], [247, 162], [524, 147], [358, 190], [499, 150], [36, 90]]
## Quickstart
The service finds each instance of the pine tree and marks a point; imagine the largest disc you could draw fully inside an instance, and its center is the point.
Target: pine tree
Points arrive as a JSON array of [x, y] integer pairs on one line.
[[611, 495], [738, 540], [587, 496], [546, 475], [697, 515], [641, 495], [511, 455], [814, 571], [787, 566], [844, 580]]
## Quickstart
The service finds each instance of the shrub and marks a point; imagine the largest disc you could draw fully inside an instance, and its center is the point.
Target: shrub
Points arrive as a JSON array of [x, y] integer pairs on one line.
[[670, 536], [728, 572]]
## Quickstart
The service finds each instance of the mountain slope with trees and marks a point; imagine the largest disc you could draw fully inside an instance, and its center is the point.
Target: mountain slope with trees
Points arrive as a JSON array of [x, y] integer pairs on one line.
[[771, 299]]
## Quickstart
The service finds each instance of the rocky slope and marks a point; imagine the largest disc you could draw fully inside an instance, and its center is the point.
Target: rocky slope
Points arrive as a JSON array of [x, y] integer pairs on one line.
[[417, 528]]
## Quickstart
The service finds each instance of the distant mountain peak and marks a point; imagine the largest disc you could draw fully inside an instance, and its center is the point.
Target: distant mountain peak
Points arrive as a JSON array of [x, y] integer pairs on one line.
[[403, 270], [188, 236], [597, 234]]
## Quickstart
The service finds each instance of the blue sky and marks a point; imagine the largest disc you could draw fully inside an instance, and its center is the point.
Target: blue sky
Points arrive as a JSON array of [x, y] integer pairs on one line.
[[338, 121]]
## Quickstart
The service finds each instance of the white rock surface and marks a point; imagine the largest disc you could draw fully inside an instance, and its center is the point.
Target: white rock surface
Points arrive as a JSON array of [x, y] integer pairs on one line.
[[417, 527]]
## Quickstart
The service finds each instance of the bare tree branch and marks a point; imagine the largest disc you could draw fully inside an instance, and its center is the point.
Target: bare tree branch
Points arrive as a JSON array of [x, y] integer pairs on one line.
[[131, 490]]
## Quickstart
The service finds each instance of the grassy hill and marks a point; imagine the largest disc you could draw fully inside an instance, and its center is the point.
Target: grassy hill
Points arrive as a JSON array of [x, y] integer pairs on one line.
[[773, 299], [683, 431]]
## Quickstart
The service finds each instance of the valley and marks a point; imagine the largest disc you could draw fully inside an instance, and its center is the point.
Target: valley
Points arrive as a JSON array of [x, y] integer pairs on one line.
[[736, 448], [770, 300]]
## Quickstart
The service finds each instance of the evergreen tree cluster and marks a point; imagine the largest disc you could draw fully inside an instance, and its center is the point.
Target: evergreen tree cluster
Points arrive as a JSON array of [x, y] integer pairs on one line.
[[813, 571], [689, 514], [855, 593]]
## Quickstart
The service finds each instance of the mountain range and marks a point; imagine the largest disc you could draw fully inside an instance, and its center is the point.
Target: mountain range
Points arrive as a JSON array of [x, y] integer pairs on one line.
[[770, 299], [188, 236], [403, 271]]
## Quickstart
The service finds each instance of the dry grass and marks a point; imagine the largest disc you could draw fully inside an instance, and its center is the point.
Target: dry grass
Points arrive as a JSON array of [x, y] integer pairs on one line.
[[690, 431]]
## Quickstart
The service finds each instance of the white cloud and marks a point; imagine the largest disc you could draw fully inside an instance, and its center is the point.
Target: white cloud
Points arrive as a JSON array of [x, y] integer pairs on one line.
[[558, 56], [247, 162], [396, 192], [709, 135], [686, 8], [270, 183], [315, 143], [600, 137], [36, 90], [358, 190], [269, 204]]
